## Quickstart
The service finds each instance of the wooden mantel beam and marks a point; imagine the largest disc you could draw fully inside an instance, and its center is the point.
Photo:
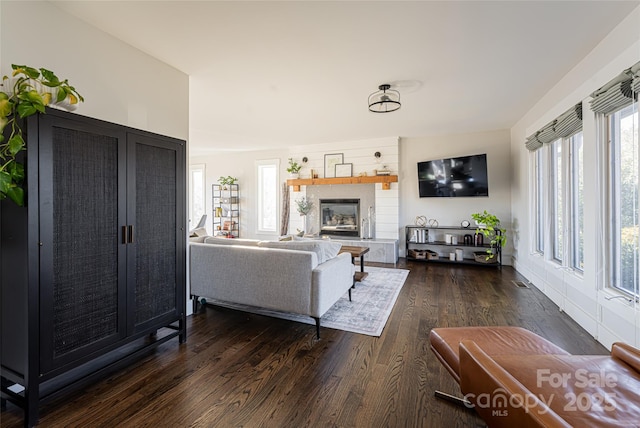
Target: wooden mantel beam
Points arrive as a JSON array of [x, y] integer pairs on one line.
[[386, 181]]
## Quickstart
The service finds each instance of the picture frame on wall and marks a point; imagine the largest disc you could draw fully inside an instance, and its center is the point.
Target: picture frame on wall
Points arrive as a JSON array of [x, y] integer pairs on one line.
[[330, 162], [344, 170]]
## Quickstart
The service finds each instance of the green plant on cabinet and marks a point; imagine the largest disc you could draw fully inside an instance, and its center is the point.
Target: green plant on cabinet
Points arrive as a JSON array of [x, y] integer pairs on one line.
[[27, 92]]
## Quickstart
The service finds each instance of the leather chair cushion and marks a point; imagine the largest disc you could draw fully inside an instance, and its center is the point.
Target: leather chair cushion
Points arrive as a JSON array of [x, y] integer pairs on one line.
[[580, 390], [493, 340]]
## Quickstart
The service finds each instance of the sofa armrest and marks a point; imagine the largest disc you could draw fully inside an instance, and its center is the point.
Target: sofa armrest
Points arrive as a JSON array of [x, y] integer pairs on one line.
[[627, 354], [330, 280], [490, 389]]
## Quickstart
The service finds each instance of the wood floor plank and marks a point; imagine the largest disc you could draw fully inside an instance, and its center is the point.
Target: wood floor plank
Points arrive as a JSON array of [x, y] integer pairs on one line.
[[240, 369]]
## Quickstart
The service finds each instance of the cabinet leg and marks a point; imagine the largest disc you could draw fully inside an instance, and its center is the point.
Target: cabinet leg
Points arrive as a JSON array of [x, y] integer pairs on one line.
[[182, 325]]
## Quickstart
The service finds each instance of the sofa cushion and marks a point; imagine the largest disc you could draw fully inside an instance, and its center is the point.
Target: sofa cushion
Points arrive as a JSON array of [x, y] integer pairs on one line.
[[201, 231], [231, 241], [325, 250]]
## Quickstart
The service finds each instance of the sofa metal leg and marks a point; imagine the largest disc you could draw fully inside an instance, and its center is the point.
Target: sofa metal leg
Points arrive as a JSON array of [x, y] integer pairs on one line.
[[453, 399], [317, 327], [349, 294]]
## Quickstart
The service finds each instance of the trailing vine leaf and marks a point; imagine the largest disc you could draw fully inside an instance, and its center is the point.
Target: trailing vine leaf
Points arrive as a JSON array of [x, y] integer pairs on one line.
[[20, 98], [16, 194], [16, 143]]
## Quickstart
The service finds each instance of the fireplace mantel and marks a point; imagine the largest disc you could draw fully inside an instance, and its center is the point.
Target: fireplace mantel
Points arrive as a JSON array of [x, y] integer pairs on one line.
[[386, 181]]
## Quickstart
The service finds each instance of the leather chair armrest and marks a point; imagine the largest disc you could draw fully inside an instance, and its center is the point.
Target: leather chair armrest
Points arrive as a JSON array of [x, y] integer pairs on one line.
[[497, 396], [627, 354]]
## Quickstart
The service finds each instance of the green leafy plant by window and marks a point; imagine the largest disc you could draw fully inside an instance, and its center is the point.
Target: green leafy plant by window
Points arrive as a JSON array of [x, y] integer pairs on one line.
[[26, 93], [489, 226]]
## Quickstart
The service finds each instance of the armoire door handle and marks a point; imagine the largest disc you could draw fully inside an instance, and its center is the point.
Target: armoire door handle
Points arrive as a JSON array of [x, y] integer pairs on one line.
[[124, 234], [130, 234]]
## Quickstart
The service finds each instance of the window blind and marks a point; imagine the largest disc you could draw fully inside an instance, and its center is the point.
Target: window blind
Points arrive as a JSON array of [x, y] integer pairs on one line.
[[566, 124], [618, 93]]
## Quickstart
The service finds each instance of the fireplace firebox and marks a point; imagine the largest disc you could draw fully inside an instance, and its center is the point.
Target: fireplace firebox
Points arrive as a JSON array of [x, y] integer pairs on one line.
[[340, 217]]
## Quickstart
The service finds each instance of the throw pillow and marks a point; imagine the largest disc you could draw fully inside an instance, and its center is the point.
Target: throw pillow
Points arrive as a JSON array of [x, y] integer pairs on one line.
[[201, 231], [324, 250]]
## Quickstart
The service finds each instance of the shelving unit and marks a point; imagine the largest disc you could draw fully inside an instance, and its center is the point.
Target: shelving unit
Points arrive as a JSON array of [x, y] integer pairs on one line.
[[226, 210], [434, 241]]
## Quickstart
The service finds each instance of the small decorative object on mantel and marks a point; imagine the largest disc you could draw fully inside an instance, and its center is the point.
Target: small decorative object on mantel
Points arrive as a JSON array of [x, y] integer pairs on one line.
[[465, 223], [421, 221], [330, 162], [294, 168], [383, 171], [344, 170], [433, 222], [27, 92]]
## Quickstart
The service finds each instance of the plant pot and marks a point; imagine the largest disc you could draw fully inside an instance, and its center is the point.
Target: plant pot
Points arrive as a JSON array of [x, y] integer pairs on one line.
[[484, 257], [294, 175]]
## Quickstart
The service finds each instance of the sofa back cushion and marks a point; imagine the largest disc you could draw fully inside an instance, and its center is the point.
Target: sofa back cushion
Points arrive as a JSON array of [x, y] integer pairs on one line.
[[325, 250], [231, 241]]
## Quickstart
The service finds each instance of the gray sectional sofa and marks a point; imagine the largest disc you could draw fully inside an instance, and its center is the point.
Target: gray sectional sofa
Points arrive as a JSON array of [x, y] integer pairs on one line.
[[301, 277]]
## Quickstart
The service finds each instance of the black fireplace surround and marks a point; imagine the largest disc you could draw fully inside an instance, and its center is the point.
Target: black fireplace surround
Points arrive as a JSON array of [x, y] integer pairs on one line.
[[340, 217]]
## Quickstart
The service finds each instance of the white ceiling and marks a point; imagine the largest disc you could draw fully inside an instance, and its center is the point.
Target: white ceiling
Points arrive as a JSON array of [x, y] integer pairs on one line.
[[274, 74]]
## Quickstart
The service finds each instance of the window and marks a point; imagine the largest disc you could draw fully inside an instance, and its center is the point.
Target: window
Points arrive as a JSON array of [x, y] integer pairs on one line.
[[557, 198], [267, 172], [577, 202], [197, 203], [539, 205], [623, 198]]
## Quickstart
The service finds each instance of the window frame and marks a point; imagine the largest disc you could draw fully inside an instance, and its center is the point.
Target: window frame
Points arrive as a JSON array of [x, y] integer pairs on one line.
[[193, 216], [260, 194], [614, 200]]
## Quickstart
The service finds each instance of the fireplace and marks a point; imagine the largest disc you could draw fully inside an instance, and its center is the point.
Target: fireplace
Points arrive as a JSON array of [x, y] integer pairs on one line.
[[340, 217]]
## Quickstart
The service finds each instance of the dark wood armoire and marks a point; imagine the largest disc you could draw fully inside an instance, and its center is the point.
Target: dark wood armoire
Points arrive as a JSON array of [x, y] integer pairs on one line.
[[93, 266]]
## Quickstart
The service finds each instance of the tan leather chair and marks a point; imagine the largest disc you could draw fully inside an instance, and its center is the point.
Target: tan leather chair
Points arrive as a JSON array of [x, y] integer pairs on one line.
[[537, 385]]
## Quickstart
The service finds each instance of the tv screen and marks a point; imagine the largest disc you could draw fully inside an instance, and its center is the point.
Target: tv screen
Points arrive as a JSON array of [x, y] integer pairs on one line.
[[453, 177]]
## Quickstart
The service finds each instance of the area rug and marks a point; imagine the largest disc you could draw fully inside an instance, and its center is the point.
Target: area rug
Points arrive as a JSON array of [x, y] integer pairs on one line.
[[367, 313]]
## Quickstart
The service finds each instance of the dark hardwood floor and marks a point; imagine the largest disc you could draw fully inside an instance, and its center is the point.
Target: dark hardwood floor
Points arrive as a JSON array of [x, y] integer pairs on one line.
[[238, 369]]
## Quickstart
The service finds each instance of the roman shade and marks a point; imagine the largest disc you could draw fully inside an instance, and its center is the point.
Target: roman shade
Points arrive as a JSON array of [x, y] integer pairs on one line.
[[568, 123], [619, 92]]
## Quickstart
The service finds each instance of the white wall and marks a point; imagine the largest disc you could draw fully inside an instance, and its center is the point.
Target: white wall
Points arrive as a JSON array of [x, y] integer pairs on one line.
[[119, 83], [241, 165], [452, 211], [580, 296]]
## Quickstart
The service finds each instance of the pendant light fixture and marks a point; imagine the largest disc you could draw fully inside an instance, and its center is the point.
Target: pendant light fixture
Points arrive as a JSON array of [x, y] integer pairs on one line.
[[385, 100]]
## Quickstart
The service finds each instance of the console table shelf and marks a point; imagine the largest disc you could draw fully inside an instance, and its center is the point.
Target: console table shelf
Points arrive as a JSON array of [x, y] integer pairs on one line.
[[386, 181], [434, 243]]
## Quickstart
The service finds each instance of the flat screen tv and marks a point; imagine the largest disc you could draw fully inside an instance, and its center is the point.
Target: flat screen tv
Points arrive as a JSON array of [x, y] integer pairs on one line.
[[454, 177]]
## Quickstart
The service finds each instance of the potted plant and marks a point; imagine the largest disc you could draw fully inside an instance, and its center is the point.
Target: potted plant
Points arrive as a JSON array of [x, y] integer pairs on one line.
[[489, 226], [304, 207], [294, 168], [27, 92], [228, 180]]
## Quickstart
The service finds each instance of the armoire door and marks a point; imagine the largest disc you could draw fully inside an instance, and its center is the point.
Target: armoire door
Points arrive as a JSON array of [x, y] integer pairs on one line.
[[156, 189], [82, 208]]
